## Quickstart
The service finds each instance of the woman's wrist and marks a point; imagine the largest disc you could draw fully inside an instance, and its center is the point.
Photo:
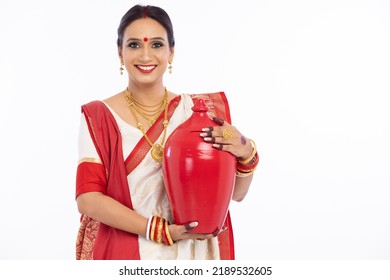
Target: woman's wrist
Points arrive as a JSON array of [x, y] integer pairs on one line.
[[158, 231], [246, 167], [248, 159]]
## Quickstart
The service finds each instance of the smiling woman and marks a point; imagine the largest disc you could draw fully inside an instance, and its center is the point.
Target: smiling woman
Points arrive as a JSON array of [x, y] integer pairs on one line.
[[120, 188], [145, 52]]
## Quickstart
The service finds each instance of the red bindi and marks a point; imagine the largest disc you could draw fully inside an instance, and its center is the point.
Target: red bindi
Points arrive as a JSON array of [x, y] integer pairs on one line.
[[145, 39]]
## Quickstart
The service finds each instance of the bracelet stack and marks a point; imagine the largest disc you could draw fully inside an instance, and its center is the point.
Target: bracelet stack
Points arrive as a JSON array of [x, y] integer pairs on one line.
[[248, 166], [158, 231]]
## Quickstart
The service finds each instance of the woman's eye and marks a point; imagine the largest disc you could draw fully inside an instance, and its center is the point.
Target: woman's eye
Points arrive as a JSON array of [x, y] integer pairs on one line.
[[157, 45], [133, 45]]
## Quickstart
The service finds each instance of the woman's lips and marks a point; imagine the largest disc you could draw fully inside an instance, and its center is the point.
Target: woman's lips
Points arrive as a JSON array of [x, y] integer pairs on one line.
[[146, 68]]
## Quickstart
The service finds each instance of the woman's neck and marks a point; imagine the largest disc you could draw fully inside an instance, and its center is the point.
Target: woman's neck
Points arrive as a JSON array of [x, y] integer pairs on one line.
[[147, 95]]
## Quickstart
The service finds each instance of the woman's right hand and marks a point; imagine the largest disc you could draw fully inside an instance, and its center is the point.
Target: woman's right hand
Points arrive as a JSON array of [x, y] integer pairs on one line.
[[179, 232]]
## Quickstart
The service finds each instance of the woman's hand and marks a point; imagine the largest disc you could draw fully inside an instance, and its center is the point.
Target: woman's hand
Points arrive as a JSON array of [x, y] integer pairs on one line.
[[226, 137], [178, 232]]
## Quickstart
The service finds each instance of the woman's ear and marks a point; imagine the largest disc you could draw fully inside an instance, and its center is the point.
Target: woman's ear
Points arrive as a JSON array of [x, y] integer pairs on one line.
[[120, 54], [171, 55]]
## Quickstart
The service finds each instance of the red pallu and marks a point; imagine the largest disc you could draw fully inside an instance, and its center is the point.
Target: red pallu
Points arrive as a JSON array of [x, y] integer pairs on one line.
[[96, 240]]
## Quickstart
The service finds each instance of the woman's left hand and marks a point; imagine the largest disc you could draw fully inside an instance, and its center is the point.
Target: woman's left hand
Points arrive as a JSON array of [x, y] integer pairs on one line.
[[227, 138]]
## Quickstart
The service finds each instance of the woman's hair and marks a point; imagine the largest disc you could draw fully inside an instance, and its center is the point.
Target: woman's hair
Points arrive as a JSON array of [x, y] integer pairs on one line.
[[153, 12]]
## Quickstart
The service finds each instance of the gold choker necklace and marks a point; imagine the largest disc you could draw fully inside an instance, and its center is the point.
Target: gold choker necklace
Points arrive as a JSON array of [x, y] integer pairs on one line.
[[150, 115], [157, 150]]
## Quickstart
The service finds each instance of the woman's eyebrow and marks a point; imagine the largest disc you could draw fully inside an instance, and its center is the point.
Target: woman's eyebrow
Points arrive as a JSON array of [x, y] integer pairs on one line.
[[138, 39]]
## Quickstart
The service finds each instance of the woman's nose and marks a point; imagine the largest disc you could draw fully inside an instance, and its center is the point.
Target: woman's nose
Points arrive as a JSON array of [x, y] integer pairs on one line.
[[145, 55]]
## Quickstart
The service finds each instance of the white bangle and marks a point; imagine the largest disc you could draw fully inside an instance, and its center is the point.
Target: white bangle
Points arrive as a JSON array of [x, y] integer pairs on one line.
[[148, 228]]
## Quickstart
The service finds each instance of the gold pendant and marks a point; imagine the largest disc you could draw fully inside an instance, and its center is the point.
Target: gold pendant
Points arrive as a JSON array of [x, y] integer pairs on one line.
[[157, 152]]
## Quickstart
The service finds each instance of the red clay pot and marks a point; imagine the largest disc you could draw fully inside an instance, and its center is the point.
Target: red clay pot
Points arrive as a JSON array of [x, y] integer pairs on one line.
[[199, 179]]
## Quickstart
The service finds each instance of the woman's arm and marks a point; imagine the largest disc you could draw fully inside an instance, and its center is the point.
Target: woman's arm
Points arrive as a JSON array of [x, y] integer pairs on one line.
[[107, 210], [241, 187]]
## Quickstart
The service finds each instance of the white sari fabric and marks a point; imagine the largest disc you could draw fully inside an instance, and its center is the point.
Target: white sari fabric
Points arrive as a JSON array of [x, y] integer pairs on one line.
[[147, 188]]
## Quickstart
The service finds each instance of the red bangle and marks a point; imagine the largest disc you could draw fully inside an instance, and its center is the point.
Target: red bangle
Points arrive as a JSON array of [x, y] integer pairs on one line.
[[244, 168], [159, 231], [164, 236], [168, 235]]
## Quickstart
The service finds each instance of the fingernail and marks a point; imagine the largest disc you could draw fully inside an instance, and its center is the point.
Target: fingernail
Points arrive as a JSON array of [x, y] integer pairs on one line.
[[207, 129], [208, 133], [215, 233], [217, 146], [218, 120], [190, 226], [194, 224], [208, 139]]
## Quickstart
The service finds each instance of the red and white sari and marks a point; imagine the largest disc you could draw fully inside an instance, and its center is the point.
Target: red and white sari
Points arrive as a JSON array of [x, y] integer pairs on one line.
[[137, 182]]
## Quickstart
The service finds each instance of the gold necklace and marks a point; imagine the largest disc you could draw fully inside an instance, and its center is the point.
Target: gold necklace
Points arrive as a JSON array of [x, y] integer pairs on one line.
[[151, 118], [149, 115], [143, 105], [157, 150]]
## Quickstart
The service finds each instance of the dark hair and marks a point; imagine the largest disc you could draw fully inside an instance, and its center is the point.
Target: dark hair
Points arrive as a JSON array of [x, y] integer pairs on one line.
[[153, 12]]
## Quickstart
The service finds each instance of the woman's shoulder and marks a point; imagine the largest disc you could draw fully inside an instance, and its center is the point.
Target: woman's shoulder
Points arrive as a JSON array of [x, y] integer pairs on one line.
[[100, 107], [102, 102], [207, 94], [114, 100]]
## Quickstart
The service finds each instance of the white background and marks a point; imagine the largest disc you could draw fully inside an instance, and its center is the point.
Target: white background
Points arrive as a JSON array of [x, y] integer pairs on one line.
[[307, 80]]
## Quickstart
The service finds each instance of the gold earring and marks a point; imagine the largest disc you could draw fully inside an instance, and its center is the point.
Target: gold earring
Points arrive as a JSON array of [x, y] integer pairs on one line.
[[121, 68], [170, 67]]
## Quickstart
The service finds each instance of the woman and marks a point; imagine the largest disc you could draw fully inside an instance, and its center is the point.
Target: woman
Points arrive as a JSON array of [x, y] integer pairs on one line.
[[120, 191]]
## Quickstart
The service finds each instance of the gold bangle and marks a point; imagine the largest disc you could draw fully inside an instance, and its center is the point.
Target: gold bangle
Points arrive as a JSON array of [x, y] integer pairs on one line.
[[159, 230], [167, 233], [153, 228], [250, 158], [244, 174], [246, 171]]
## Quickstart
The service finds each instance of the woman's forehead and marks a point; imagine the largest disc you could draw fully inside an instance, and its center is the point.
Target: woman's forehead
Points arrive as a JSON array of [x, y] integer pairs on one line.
[[145, 28]]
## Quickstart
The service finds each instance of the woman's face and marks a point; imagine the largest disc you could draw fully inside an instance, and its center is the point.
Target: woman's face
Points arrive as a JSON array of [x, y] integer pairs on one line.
[[145, 51]]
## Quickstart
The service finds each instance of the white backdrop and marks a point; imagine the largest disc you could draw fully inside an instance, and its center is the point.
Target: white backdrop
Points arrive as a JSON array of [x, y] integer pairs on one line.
[[307, 80]]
